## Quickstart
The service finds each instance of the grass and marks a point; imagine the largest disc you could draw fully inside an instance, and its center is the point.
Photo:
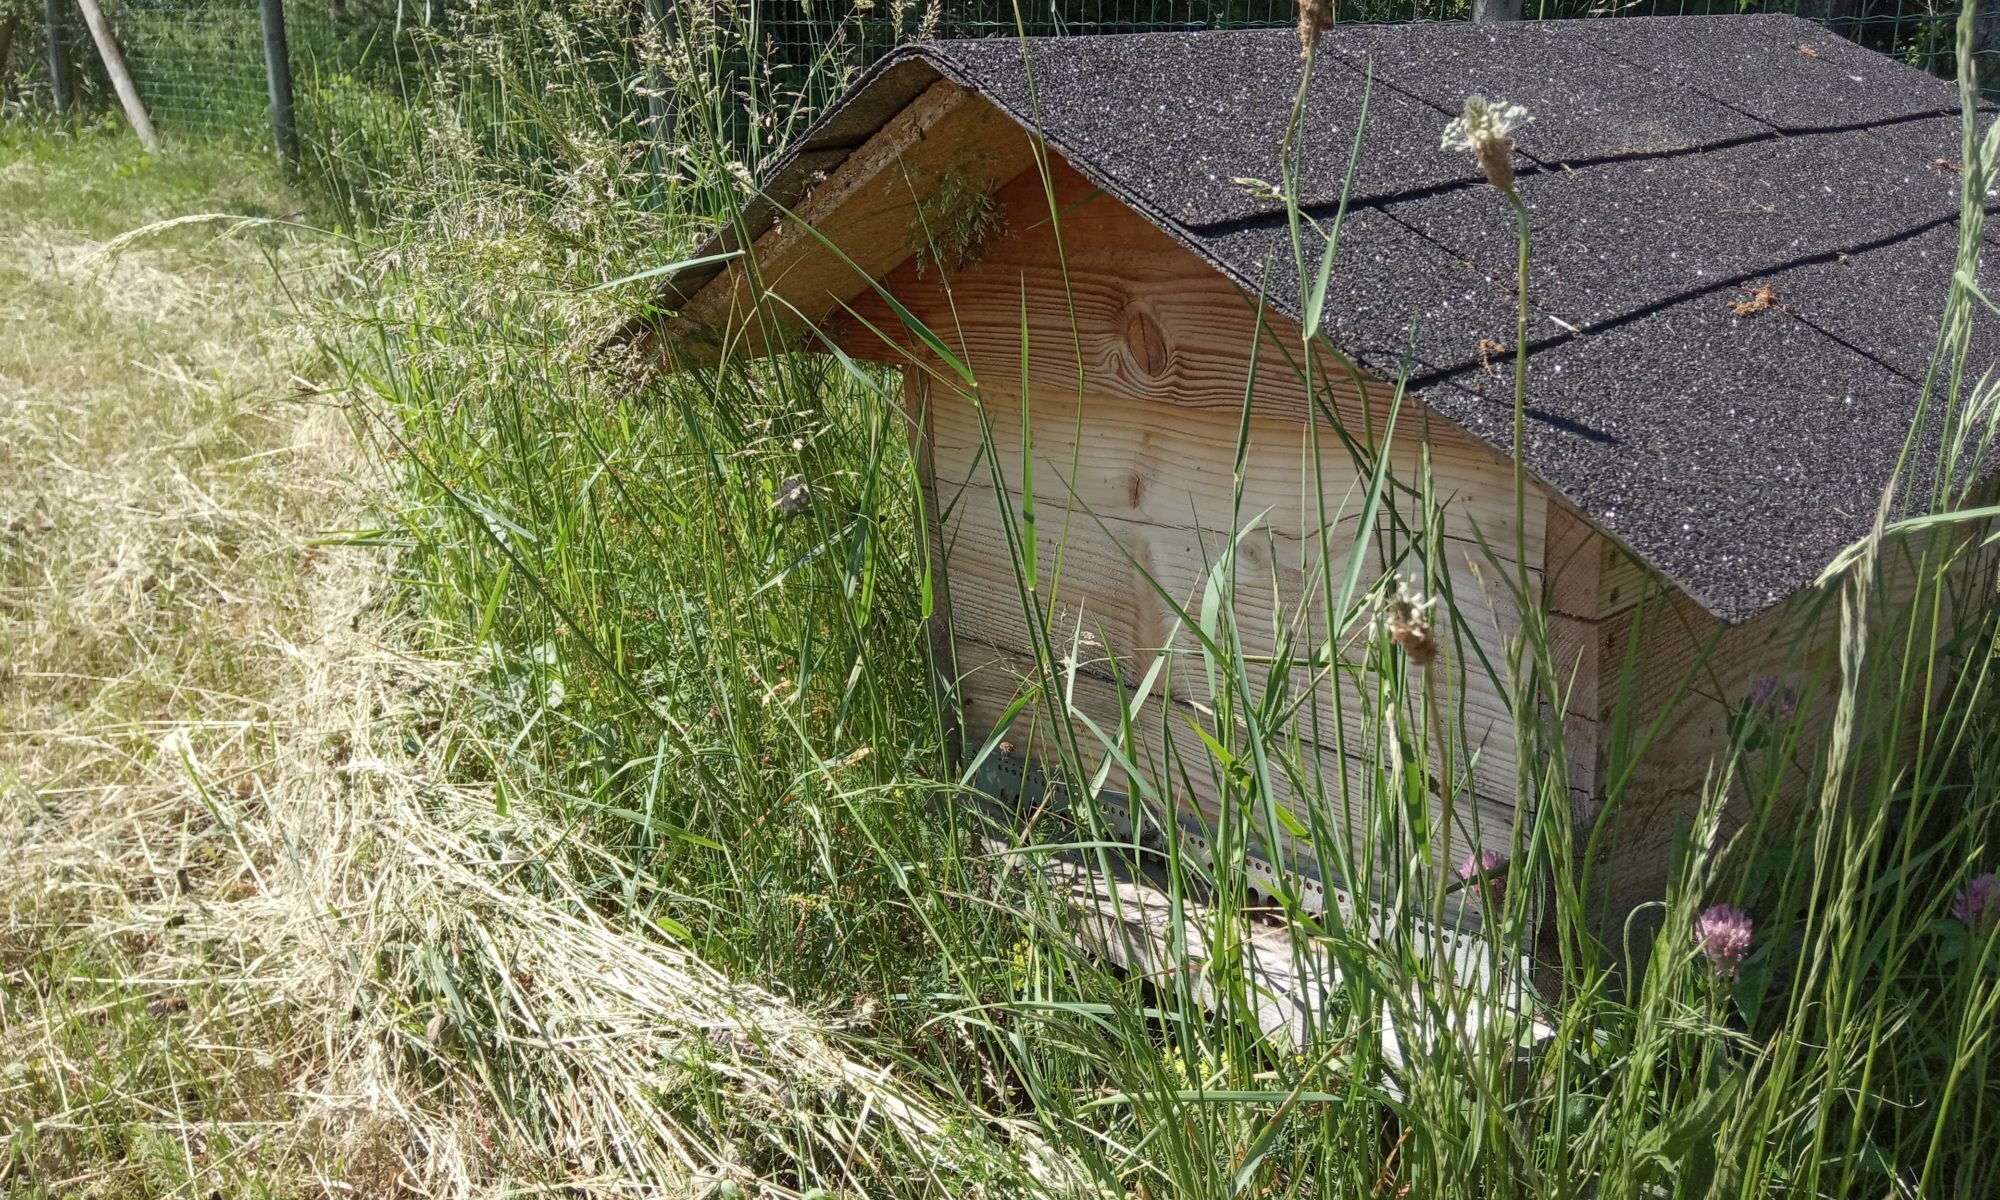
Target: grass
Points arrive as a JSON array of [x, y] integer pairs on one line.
[[600, 830], [263, 927], [151, 573], [729, 700]]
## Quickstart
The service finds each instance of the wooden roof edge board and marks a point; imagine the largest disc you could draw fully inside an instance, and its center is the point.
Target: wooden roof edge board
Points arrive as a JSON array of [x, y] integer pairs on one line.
[[878, 95], [791, 257], [917, 146]]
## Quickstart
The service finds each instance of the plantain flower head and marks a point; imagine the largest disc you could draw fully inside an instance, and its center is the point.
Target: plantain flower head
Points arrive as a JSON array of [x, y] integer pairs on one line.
[[1486, 129], [1315, 18], [1404, 613]]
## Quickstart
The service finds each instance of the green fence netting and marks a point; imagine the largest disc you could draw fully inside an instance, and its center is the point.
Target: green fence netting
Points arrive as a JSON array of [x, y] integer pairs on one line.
[[199, 64]]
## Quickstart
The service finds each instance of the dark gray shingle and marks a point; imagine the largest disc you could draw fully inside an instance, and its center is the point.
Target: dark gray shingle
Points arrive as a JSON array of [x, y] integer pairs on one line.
[[1172, 119], [1736, 454], [1587, 104], [1619, 238], [1789, 73]]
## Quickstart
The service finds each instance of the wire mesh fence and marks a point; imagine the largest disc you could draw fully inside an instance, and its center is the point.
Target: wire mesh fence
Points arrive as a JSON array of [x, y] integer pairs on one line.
[[1917, 31], [199, 64]]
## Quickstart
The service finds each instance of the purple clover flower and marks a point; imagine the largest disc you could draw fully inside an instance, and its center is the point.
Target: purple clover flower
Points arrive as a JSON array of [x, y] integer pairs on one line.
[[1487, 863], [1978, 904], [1772, 700], [1723, 934], [793, 495]]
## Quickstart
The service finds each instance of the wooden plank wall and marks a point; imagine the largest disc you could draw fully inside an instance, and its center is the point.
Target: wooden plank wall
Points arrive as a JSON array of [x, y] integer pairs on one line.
[[1138, 357], [1667, 662]]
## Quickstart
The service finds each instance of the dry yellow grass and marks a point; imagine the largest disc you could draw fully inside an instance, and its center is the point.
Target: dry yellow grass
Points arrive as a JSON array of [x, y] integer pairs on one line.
[[258, 935]]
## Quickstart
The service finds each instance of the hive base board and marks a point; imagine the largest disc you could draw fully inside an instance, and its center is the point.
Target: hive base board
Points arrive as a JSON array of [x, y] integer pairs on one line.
[[1125, 915], [1021, 790]]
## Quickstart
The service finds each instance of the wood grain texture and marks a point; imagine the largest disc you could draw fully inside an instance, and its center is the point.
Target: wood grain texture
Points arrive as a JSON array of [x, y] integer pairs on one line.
[[866, 206], [1668, 665], [1338, 790], [1134, 496], [1109, 592], [1113, 307], [1571, 572], [1127, 413]]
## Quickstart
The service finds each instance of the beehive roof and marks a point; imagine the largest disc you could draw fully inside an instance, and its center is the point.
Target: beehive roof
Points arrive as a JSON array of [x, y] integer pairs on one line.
[[1673, 164]]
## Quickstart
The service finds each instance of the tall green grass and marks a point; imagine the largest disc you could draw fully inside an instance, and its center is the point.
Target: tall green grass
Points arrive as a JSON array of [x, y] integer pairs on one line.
[[731, 702]]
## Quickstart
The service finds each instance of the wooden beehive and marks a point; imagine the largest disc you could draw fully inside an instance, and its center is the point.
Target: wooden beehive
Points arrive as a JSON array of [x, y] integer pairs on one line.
[[1711, 418]]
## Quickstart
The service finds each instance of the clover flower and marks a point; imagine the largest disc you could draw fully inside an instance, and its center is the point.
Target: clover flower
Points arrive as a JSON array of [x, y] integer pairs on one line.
[[793, 495], [1482, 869], [1723, 934], [1978, 905], [1403, 612], [1485, 129], [1771, 701]]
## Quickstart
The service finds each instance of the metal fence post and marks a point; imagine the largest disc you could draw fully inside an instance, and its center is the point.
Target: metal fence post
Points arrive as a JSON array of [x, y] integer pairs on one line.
[[659, 16], [278, 66], [61, 80], [1484, 11]]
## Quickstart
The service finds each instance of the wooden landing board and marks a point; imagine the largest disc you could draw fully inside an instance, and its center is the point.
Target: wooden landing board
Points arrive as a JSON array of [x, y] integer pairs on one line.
[[1133, 924]]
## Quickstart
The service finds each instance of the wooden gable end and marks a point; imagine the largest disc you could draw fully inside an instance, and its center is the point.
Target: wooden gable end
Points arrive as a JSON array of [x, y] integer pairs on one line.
[[1127, 397]]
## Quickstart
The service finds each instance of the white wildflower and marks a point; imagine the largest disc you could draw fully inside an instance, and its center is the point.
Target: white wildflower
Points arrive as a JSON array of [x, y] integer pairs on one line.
[[1486, 130], [1402, 611]]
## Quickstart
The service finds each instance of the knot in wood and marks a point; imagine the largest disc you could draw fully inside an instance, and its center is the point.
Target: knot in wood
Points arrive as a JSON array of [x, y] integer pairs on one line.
[[1145, 342]]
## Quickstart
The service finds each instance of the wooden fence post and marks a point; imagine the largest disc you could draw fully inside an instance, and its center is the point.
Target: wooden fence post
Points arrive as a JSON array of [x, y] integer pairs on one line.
[[61, 81], [1486, 11], [278, 68], [121, 77]]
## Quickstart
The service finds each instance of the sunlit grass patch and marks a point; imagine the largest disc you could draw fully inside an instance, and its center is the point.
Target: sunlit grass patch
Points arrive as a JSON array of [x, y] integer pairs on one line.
[[161, 484]]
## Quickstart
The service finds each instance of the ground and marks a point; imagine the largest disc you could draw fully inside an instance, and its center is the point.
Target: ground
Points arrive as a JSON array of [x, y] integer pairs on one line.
[[261, 936], [168, 637]]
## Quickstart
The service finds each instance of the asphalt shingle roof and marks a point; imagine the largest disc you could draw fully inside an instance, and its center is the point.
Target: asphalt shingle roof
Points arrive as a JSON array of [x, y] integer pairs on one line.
[[1672, 164]]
